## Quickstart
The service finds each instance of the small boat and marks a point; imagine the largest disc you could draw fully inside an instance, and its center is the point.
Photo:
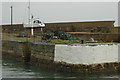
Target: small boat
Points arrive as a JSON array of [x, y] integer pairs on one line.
[[33, 22]]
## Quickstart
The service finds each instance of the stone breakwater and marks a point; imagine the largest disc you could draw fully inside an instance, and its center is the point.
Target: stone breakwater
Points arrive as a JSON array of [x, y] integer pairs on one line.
[[68, 58]]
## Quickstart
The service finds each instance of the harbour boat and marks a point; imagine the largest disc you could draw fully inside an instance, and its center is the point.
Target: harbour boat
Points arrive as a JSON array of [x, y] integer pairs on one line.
[[33, 22]]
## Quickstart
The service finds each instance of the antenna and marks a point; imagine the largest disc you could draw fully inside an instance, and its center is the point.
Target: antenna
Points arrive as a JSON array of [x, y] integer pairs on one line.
[[29, 12]]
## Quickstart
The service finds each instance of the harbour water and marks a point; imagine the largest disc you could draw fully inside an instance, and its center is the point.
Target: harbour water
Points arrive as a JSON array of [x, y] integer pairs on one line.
[[15, 69]]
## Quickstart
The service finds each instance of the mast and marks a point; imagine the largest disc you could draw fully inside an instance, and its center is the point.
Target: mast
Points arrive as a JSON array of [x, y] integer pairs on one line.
[[29, 12], [30, 19]]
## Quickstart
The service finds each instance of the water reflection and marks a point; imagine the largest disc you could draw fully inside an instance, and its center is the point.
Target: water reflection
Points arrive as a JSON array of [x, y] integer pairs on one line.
[[15, 69]]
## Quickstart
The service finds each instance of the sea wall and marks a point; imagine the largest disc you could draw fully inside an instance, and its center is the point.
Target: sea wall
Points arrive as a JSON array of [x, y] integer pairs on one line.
[[87, 58], [28, 51], [42, 54], [90, 26], [68, 58], [15, 28], [13, 48]]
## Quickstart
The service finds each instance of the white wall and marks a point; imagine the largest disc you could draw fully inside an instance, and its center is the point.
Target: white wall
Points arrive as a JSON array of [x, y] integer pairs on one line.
[[86, 54]]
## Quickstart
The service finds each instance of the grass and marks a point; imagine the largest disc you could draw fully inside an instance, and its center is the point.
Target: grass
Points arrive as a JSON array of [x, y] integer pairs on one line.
[[55, 41], [58, 41]]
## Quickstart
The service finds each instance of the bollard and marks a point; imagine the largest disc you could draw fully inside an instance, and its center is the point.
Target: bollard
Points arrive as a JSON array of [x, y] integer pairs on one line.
[[82, 41]]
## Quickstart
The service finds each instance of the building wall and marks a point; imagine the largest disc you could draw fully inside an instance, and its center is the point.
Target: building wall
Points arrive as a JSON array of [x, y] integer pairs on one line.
[[86, 54]]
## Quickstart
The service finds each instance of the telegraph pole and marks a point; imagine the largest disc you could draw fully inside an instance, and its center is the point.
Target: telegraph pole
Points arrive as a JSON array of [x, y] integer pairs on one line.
[[11, 15]]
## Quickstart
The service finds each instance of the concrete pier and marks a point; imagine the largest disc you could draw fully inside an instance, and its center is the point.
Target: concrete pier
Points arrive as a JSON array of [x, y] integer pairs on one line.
[[69, 58]]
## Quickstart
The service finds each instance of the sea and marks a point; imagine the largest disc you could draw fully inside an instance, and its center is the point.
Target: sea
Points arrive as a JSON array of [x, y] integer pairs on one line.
[[18, 69]]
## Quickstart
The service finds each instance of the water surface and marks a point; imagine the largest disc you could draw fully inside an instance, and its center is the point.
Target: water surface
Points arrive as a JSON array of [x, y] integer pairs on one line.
[[16, 69]]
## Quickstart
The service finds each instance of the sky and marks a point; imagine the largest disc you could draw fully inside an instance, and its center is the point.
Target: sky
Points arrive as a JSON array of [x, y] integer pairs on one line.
[[51, 12]]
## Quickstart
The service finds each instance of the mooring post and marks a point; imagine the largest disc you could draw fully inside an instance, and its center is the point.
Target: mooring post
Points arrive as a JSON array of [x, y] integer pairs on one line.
[[82, 41]]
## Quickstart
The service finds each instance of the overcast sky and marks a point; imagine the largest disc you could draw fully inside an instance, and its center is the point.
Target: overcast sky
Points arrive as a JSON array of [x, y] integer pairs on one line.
[[61, 11]]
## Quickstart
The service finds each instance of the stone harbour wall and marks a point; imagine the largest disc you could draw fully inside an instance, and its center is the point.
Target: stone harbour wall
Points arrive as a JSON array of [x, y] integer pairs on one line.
[[87, 58], [89, 26], [28, 51], [68, 58], [13, 49], [98, 37], [82, 68], [42, 54]]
